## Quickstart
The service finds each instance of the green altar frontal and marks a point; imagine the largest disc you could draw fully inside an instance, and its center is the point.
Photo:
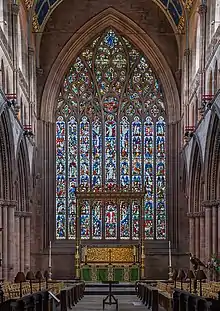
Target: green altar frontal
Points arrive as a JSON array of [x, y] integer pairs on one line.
[[99, 273]]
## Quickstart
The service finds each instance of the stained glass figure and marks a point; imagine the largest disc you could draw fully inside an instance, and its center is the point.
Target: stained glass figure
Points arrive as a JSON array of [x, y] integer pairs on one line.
[[60, 179], [149, 178], [85, 220], [124, 220], [136, 207], [110, 134], [160, 180], [111, 220], [97, 220]]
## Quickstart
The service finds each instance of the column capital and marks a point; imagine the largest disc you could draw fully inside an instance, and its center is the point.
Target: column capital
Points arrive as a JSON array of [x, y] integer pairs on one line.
[[187, 52], [211, 203], [196, 214], [15, 8], [22, 214], [202, 9], [9, 203], [39, 71]]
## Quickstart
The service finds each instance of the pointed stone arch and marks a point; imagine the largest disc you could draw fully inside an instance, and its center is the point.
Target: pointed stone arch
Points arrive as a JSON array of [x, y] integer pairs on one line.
[[196, 178], [212, 158], [110, 18], [23, 173], [6, 156]]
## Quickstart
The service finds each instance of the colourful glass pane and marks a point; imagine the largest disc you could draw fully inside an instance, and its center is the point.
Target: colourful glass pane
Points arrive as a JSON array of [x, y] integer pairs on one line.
[[136, 154], [85, 220], [84, 153], [110, 152], [60, 179], [135, 220], [160, 180], [110, 220], [72, 176], [149, 178], [97, 220], [96, 154], [124, 154], [124, 220]]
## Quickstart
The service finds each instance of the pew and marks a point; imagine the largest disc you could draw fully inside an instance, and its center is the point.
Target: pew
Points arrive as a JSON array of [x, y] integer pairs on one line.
[[69, 296]]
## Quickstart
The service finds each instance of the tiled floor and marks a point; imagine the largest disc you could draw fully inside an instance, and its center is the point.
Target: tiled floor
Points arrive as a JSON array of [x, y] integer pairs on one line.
[[94, 303]]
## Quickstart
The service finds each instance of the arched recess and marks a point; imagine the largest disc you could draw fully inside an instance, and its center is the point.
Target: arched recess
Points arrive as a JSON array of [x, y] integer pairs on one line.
[[6, 157], [212, 158], [109, 18], [22, 185], [196, 179]]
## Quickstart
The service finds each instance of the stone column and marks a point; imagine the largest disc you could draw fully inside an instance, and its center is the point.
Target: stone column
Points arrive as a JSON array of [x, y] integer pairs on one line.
[[1, 238], [208, 232], [17, 236], [11, 241], [202, 12], [214, 230], [202, 236], [219, 228], [27, 228], [5, 243], [197, 237], [192, 234], [22, 244]]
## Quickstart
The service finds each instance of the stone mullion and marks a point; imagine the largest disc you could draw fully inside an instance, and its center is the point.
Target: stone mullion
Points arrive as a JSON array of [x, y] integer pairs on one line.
[[15, 11], [27, 228], [52, 184], [191, 234], [214, 230], [202, 12], [11, 241], [197, 237], [22, 244], [1, 237], [17, 244], [5, 243], [202, 237], [208, 232]]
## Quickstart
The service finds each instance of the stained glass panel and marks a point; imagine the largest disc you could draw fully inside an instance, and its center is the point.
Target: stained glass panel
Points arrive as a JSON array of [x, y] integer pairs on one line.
[[149, 179], [111, 220], [160, 180], [84, 153], [110, 152], [72, 176], [124, 154], [85, 220], [60, 179], [110, 136], [96, 154], [97, 220], [136, 154], [124, 220], [135, 220]]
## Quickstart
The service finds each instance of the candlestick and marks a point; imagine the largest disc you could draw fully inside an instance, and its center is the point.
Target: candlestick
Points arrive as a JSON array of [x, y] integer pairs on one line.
[[134, 250], [50, 257], [170, 256]]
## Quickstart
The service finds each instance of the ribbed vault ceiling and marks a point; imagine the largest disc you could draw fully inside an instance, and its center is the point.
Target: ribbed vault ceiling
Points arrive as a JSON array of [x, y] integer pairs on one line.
[[174, 9]]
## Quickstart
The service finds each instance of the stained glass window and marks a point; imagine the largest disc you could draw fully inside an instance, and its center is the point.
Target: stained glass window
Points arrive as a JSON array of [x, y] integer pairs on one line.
[[111, 136]]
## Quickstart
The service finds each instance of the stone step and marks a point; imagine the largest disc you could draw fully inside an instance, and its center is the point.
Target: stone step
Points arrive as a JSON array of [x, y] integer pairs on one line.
[[103, 290]]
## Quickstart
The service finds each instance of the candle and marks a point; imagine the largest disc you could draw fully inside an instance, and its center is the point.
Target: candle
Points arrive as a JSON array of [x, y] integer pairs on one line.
[[50, 259], [134, 250], [85, 250], [170, 259]]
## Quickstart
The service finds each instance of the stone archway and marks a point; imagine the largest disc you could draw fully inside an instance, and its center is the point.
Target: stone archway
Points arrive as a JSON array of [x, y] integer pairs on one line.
[[110, 17]]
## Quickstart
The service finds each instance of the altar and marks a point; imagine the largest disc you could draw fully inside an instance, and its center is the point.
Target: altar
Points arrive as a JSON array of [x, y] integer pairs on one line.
[[110, 263]]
